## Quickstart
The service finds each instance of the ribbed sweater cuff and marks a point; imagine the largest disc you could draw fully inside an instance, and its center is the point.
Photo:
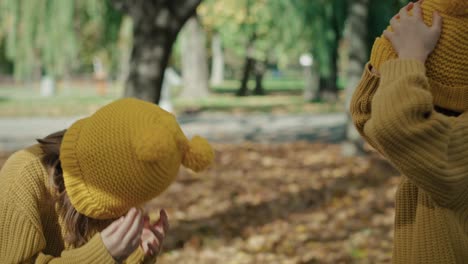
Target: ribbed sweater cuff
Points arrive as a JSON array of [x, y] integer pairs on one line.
[[395, 69], [361, 101], [369, 79], [136, 257], [94, 251]]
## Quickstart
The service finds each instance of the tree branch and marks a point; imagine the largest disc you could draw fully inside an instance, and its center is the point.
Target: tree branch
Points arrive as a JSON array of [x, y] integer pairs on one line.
[[183, 9]]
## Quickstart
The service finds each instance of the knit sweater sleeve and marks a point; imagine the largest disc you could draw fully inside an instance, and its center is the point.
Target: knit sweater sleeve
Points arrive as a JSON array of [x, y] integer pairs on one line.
[[22, 241], [422, 143], [139, 257], [92, 252], [360, 108], [22, 237]]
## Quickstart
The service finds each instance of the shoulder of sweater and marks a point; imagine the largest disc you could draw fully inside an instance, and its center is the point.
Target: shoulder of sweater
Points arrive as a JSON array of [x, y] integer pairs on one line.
[[23, 161], [23, 177]]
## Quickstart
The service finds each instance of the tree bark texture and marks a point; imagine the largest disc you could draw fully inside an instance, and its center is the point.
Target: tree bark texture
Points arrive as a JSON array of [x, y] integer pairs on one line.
[[217, 66], [357, 37], [248, 67], [156, 24], [194, 60]]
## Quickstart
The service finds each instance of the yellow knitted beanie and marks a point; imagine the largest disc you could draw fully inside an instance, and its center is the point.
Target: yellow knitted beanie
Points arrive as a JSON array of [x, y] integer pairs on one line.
[[447, 66], [124, 155]]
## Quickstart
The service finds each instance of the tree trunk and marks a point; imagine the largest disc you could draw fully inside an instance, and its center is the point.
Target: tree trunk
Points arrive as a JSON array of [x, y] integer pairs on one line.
[[217, 66], [312, 84], [125, 48], [48, 88], [248, 67], [328, 85], [260, 69], [194, 60], [155, 27], [357, 37]]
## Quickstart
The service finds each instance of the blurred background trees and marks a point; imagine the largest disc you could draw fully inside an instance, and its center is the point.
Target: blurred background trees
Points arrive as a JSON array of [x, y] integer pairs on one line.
[[268, 71], [225, 40]]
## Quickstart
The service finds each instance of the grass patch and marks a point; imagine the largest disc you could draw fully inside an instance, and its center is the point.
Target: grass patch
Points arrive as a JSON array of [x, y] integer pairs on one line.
[[270, 85], [267, 104], [73, 101], [80, 99]]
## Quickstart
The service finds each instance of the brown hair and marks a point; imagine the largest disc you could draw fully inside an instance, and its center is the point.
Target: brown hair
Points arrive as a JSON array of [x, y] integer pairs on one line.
[[78, 226]]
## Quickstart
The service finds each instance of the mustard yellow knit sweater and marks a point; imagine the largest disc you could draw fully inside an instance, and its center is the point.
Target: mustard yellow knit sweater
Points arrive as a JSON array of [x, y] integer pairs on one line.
[[31, 229], [430, 150]]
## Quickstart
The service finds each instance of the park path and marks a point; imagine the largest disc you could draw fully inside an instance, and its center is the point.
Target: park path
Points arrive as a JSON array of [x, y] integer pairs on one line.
[[16, 133]]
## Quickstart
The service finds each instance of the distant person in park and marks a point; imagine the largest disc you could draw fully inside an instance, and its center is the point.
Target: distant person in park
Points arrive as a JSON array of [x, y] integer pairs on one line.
[[411, 106], [76, 196]]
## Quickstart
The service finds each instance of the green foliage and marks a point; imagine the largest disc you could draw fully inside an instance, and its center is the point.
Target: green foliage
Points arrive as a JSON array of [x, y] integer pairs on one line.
[[38, 34], [51, 36], [324, 22], [98, 33], [288, 28], [270, 26]]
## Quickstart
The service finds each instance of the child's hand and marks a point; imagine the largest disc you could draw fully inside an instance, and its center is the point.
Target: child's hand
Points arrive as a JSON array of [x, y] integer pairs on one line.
[[153, 234], [411, 38], [123, 236]]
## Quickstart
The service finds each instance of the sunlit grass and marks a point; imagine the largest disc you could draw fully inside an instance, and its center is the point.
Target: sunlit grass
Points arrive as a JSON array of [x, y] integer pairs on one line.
[[68, 101], [80, 99]]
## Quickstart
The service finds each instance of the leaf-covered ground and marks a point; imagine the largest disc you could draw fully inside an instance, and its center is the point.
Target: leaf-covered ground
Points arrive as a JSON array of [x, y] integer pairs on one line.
[[289, 203]]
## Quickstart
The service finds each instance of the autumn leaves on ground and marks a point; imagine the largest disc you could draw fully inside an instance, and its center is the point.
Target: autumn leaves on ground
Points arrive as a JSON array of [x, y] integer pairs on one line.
[[289, 203]]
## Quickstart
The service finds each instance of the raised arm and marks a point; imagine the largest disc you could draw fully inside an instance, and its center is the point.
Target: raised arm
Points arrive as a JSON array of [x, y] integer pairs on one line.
[[415, 138], [421, 143]]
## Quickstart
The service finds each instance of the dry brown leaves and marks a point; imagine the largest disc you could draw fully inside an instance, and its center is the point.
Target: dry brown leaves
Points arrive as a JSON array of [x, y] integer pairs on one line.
[[288, 203], [291, 203]]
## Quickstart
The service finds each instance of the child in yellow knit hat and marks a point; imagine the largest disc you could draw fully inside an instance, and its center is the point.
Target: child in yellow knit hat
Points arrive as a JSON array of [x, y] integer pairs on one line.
[[411, 106], [73, 197]]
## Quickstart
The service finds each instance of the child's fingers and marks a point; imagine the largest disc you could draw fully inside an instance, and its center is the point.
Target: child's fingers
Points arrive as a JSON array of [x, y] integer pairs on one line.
[[165, 220], [409, 6], [134, 232], [158, 232], [437, 22], [146, 221], [404, 11], [154, 247], [395, 23], [417, 11], [145, 247], [127, 223], [389, 35], [113, 226]]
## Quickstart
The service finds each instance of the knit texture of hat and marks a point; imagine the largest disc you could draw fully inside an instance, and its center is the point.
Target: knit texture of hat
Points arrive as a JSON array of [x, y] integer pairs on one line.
[[447, 65], [124, 155]]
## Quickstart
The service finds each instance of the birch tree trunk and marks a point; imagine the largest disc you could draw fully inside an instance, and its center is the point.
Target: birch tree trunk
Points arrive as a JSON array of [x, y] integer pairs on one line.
[[194, 60], [357, 36], [217, 66]]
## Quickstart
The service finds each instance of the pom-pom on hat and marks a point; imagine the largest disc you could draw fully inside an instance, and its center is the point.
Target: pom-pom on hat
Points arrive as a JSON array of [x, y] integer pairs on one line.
[[124, 155], [447, 65]]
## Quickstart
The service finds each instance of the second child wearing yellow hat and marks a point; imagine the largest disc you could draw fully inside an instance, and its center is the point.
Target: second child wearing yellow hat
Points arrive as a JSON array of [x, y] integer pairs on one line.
[[414, 113], [73, 197]]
